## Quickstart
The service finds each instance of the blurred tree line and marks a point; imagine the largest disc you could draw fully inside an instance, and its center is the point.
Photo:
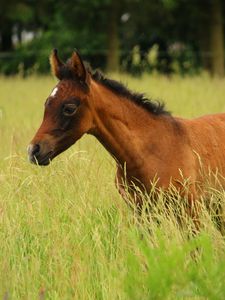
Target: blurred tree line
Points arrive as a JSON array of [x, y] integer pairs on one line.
[[182, 36]]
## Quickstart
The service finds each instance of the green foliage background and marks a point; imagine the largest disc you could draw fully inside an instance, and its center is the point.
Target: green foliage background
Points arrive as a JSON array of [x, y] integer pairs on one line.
[[85, 25]]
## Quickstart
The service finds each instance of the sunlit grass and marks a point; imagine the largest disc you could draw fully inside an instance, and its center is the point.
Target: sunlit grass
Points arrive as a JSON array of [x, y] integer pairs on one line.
[[65, 232]]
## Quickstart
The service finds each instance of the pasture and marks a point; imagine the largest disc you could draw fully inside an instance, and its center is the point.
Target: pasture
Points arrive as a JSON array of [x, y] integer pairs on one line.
[[67, 234]]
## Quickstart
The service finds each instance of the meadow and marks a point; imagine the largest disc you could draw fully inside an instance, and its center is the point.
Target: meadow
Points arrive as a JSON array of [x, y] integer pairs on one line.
[[65, 231]]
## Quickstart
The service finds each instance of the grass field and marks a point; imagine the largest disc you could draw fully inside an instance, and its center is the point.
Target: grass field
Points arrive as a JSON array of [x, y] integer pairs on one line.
[[65, 232]]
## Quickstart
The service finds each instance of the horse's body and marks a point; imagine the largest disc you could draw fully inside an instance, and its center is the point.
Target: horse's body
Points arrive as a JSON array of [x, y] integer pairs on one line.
[[179, 149], [146, 141]]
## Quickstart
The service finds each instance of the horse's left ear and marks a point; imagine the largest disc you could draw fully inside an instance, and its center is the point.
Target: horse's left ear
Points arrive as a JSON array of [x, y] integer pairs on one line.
[[56, 64], [78, 68]]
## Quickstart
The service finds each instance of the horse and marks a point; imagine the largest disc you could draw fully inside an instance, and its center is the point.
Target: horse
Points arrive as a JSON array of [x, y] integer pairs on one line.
[[145, 140]]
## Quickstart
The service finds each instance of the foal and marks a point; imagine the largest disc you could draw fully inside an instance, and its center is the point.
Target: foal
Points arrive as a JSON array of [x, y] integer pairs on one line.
[[140, 134]]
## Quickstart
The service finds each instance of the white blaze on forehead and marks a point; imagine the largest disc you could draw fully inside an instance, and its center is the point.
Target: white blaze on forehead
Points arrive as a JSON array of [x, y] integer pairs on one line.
[[53, 93]]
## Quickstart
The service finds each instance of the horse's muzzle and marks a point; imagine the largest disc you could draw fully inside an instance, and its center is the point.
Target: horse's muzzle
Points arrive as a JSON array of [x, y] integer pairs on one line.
[[39, 156]]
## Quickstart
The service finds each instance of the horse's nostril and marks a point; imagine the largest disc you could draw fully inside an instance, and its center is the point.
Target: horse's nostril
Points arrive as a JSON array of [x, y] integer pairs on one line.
[[35, 150]]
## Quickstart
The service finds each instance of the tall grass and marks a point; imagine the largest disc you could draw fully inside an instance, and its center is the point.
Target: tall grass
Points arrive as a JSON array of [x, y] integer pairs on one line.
[[65, 232]]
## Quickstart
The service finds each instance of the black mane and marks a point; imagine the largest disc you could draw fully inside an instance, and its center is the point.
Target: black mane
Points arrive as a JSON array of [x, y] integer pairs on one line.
[[155, 107]]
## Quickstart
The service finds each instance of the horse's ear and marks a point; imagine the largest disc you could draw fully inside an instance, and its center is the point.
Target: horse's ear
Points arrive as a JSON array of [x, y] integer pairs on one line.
[[56, 64], [78, 68]]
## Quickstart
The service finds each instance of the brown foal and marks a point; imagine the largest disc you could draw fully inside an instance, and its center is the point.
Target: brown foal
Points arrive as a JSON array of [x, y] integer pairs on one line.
[[144, 139]]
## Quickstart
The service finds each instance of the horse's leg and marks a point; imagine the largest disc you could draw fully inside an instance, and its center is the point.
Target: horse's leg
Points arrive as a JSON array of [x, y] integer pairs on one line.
[[193, 210], [129, 194], [120, 184], [219, 217]]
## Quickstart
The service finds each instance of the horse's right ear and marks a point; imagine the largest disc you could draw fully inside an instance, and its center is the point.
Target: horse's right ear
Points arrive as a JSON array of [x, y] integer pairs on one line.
[[56, 64]]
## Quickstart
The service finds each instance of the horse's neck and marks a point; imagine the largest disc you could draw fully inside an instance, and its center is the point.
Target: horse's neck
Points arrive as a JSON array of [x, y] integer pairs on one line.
[[125, 129]]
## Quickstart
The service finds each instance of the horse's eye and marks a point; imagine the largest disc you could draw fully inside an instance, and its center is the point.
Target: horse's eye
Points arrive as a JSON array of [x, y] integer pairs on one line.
[[69, 109]]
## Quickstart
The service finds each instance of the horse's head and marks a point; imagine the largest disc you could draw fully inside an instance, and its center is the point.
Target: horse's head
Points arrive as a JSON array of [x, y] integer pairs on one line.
[[67, 114]]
